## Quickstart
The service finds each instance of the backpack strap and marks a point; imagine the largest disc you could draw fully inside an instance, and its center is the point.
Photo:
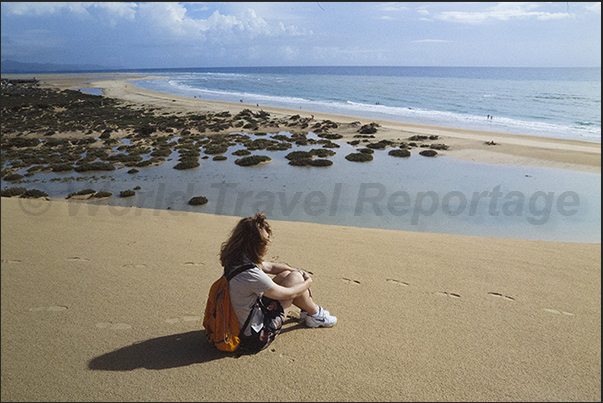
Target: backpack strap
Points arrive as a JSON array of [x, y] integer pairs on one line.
[[238, 270]]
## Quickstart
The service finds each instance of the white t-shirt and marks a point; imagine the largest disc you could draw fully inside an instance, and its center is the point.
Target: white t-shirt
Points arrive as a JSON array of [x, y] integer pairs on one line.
[[245, 288]]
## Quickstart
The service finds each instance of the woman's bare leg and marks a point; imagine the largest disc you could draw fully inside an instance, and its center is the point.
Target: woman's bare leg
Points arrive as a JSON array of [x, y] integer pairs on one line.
[[304, 301]]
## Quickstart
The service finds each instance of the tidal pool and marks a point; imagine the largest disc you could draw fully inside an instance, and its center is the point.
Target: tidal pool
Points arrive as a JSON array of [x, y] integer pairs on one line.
[[427, 194]]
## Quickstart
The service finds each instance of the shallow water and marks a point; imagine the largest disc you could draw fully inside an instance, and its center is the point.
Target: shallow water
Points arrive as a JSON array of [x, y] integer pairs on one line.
[[440, 194], [91, 91]]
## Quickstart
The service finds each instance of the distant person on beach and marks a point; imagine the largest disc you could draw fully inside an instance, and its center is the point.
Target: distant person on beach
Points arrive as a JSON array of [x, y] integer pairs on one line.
[[248, 244]]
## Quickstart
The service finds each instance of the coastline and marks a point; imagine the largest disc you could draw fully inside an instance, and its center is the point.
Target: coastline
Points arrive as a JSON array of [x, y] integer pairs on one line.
[[108, 306], [106, 303], [469, 145]]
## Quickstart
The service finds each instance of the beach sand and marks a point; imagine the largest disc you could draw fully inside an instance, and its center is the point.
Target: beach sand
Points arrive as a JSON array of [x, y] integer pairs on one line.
[[105, 303]]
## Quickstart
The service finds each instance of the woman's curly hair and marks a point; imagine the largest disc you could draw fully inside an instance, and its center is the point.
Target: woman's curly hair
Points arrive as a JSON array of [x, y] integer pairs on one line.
[[247, 239]]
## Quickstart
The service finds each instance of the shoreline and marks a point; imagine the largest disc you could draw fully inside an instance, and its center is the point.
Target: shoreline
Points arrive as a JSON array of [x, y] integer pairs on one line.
[[468, 145]]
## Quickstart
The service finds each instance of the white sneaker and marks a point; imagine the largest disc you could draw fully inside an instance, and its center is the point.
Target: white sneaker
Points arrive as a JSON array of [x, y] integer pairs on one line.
[[321, 319], [303, 314]]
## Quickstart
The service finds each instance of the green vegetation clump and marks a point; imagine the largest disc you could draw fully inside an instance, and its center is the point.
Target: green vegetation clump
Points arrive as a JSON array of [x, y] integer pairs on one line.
[[120, 157], [300, 162], [33, 194], [429, 153], [198, 201], [216, 148], [12, 191], [102, 194], [418, 137], [260, 144], [241, 153], [371, 128], [279, 146], [400, 153], [161, 152], [133, 171], [187, 163], [322, 152], [297, 155], [252, 160], [380, 145], [127, 193], [305, 158], [94, 166], [321, 162], [82, 192], [13, 177], [61, 167], [220, 158], [438, 146], [359, 157]]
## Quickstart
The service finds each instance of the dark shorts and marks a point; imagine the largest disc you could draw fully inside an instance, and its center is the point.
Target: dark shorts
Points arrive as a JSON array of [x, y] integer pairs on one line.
[[263, 325]]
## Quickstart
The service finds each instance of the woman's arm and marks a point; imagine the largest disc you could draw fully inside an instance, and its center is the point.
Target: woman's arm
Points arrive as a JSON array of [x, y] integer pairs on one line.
[[276, 268], [284, 293]]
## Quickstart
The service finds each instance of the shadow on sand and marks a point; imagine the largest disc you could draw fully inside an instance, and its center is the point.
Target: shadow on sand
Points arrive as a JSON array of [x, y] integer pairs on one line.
[[177, 350]]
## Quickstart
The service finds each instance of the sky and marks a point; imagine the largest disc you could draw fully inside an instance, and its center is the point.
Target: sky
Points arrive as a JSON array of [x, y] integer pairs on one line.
[[239, 34]]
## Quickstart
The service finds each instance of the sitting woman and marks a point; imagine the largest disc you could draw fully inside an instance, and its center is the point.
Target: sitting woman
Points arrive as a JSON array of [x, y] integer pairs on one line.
[[261, 303]]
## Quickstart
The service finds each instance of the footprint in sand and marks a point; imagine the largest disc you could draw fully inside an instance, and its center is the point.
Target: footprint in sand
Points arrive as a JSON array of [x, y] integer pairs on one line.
[[398, 282], [113, 326], [10, 261], [77, 259], [348, 280], [52, 308], [447, 294], [558, 312], [283, 356], [183, 319], [134, 266], [499, 295], [193, 264]]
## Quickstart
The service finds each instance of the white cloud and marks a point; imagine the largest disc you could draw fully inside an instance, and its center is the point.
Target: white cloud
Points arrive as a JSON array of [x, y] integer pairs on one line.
[[387, 18], [120, 10], [593, 7], [292, 30], [289, 53], [42, 8], [392, 7], [164, 18], [501, 12]]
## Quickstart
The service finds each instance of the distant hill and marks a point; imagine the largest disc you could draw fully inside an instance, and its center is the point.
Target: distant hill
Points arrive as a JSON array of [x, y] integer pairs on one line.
[[11, 66]]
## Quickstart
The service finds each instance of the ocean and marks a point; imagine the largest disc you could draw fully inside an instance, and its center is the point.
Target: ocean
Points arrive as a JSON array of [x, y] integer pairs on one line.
[[550, 102], [440, 195]]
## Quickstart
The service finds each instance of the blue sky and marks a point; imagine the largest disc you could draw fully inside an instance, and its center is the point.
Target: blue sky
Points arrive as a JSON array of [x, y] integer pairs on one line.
[[164, 35]]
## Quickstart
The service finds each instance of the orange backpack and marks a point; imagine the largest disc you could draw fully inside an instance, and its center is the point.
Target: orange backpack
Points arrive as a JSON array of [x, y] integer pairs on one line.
[[220, 322]]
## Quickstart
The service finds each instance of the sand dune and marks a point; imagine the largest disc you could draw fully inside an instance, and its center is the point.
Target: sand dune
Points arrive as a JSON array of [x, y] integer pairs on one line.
[[107, 304]]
